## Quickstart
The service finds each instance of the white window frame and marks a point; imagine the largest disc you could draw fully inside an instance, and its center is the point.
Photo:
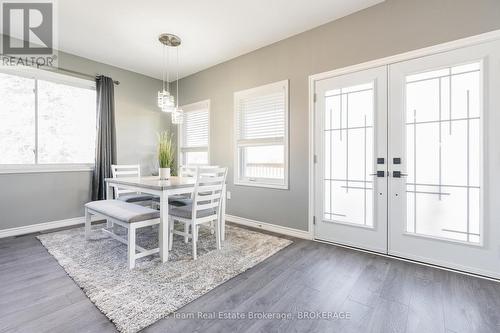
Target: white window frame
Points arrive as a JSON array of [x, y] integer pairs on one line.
[[46, 75], [261, 182], [205, 104]]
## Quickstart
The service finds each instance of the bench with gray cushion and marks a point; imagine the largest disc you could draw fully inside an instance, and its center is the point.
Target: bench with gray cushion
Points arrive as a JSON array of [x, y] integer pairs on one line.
[[127, 215]]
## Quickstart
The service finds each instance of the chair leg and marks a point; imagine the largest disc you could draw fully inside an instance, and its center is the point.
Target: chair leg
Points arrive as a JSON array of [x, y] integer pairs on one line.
[[217, 235], [109, 224], [212, 227], [171, 235], [195, 238], [87, 223], [186, 231], [131, 247]]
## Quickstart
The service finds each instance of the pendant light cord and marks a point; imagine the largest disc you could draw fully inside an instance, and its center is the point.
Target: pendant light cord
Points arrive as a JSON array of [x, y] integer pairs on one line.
[[168, 69], [177, 79], [163, 69]]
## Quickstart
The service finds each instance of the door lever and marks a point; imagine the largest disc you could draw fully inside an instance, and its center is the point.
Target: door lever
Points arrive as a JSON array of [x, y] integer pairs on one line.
[[398, 174], [378, 174]]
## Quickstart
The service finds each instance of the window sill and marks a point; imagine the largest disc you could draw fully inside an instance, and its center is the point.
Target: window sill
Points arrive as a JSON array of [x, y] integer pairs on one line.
[[264, 185], [49, 168]]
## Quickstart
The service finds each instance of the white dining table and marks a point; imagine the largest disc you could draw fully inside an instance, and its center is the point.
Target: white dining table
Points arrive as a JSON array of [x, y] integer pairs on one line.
[[162, 188]]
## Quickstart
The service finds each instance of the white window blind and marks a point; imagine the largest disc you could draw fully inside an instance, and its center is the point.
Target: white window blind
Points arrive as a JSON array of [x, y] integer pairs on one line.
[[195, 129], [262, 117], [261, 134], [194, 134]]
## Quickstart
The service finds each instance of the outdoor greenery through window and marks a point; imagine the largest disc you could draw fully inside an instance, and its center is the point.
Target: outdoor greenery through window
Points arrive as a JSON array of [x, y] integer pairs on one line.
[[44, 121]]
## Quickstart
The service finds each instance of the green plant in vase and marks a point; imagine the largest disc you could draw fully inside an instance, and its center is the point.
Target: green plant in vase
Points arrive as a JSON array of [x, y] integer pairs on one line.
[[166, 154]]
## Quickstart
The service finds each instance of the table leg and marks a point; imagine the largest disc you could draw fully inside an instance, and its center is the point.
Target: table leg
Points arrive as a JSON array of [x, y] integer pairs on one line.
[[164, 227], [223, 215], [109, 192], [109, 196]]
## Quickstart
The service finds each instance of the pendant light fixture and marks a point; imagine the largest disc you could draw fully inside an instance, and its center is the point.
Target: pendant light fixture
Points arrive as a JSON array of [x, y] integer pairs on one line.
[[177, 113], [166, 101]]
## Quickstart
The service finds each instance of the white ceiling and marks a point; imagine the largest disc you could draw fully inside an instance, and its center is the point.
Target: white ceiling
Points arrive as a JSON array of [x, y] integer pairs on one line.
[[124, 33]]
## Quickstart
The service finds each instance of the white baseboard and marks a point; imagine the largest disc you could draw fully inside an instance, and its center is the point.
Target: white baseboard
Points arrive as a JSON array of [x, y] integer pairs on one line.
[[41, 227], [81, 220], [269, 227]]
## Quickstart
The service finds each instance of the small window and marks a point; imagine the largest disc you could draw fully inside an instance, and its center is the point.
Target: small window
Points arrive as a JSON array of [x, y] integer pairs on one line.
[[261, 135], [194, 138]]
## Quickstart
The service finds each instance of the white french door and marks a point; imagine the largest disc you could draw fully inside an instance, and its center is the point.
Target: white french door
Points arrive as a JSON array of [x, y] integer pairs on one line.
[[351, 135], [444, 127], [433, 126]]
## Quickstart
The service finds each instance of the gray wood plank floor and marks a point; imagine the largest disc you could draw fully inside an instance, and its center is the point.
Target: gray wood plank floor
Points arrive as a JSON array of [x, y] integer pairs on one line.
[[381, 295]]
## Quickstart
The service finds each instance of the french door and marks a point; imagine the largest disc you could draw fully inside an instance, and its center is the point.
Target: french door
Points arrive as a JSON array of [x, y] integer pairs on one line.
[[407, 155], [351, 142]]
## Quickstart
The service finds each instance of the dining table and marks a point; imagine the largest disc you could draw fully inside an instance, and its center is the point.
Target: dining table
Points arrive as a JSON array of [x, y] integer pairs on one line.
[[163, 188]]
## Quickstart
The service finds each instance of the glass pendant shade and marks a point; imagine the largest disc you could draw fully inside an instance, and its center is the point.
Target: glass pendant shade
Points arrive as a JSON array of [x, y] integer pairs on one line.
[[162, 95], [166, 101], [177, 116]]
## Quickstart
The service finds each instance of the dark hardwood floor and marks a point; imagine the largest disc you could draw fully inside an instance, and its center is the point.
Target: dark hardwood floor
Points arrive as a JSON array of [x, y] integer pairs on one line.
[[379, 294]]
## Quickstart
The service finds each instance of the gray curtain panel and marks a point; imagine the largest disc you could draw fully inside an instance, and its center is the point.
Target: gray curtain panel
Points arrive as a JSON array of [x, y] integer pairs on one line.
[[105, 152]]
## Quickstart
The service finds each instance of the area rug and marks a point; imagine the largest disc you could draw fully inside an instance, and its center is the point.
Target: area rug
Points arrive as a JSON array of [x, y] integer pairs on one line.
[[134, 299]]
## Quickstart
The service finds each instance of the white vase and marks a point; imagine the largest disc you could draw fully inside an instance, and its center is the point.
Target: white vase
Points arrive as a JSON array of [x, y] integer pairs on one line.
[[164, 173]]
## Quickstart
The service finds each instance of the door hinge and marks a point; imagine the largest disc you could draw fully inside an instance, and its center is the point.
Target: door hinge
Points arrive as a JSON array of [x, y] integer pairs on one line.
[[314, 220], [315, 158], [314, 97]]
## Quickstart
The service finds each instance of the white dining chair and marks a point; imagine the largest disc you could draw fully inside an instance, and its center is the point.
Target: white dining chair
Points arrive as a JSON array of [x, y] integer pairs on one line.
[[129, 170], [205, 209]]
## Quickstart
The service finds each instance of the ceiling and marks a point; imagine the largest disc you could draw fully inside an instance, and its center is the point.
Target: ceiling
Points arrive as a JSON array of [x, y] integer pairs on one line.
[[124, 33]]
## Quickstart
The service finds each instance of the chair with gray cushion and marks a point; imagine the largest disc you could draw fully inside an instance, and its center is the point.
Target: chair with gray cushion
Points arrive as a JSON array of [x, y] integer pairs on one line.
[[129, 170], [180, 200], [127, 215], [205, 208]]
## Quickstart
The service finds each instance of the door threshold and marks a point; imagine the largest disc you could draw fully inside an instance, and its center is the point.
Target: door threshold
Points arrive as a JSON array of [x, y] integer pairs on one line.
[[484, 277]]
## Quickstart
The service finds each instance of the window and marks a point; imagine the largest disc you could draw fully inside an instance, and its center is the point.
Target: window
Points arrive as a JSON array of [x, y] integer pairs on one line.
[[46, 119], [194, 134], [261, 130]]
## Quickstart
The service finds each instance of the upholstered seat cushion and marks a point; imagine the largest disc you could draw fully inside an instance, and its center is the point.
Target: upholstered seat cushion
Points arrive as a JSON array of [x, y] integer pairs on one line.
[[123, 211], [135, 197], [177, 200], [186, 212]]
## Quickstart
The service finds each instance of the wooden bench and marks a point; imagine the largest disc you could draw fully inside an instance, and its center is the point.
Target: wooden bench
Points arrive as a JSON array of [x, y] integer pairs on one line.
[[127, 215]]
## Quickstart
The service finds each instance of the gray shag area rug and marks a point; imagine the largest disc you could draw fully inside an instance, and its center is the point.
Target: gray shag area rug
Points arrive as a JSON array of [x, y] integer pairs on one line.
[[134, 299]]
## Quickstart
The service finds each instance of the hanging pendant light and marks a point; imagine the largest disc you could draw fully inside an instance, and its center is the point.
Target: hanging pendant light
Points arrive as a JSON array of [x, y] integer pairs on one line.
[[166, 101], [177, 113]]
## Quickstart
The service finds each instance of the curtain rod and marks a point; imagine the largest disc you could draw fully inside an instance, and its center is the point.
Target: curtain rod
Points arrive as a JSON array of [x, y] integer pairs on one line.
[[57, 69]]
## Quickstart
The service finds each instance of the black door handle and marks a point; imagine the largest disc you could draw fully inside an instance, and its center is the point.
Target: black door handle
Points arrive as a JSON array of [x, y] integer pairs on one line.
[[398, 174]]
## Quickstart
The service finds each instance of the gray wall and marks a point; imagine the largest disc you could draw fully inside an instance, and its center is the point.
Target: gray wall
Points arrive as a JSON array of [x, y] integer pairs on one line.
[[389, 28], [42, 197]]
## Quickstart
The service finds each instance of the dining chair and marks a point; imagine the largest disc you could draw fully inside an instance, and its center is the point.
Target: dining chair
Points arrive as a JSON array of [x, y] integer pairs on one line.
[[205, 209], [129, 170]]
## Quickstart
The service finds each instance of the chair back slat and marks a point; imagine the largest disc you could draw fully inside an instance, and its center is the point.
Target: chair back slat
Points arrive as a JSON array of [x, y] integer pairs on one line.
[[208, 189], [124, 170]]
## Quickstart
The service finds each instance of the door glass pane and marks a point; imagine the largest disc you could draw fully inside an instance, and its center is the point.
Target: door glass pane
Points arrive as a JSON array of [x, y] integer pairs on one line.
[[17, 120], [348, 165], [443, 160]]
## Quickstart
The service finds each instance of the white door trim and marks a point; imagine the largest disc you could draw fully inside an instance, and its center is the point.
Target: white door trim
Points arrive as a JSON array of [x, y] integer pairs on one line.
[[444, 47]]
